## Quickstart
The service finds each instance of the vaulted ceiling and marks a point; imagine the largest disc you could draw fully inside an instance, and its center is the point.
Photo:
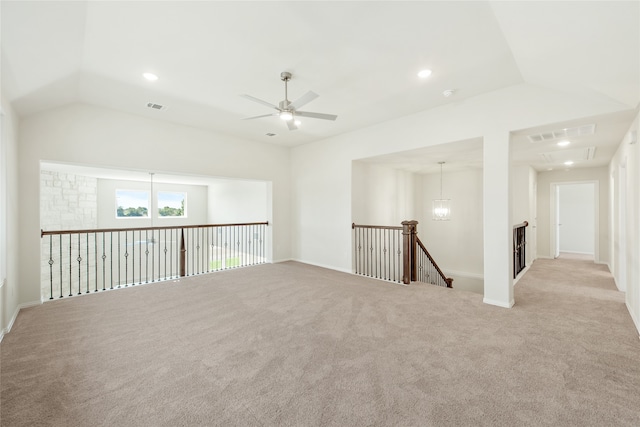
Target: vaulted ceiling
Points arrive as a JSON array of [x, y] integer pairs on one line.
[[360, 57]]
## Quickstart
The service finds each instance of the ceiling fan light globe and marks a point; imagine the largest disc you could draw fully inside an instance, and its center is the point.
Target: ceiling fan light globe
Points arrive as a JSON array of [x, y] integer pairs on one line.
[[286, 116]]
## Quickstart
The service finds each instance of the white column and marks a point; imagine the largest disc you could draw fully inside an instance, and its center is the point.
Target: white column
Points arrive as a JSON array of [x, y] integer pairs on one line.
[[498, 256]]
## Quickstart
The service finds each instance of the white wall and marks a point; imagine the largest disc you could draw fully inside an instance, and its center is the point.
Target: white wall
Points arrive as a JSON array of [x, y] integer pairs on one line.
[[457, 244], [628, 156], [9, 285], [532, 235], [321, 171], [236, 201], [577, 218], [601, 176], [196, 205], [382, 195], [94, 136]]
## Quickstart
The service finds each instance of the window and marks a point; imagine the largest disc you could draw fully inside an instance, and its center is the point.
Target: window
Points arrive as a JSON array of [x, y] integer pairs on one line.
[[132, 204], [172, 204]]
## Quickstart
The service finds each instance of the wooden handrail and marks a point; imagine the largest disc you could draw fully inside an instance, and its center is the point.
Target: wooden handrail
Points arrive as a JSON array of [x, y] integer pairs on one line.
[[378, 227], [445, 278], [172, 227]]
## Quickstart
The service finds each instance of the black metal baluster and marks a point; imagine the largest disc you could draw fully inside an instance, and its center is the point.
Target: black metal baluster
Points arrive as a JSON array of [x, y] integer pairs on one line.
[[165, 254], [61, 280], [119, 262], [111, 257], [70, 265], [209, 240], [88, 274], [126, 259], [146, 253], [197, 231], [79, 259], [104, 258], [399, 249], [51, 266], [95, 260], [154, 245], [192, 252]]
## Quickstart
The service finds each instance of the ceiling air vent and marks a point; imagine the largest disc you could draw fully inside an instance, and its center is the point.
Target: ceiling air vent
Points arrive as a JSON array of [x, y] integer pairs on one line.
[[155, 106], [563, 133]]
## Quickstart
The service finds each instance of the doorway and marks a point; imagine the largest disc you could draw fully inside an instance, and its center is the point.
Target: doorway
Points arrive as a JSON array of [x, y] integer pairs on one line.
[[574, 215]]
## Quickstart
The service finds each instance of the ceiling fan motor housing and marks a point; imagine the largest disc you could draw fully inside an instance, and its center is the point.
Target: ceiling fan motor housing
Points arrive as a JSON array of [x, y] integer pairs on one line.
[[284, 104], [285, 76]]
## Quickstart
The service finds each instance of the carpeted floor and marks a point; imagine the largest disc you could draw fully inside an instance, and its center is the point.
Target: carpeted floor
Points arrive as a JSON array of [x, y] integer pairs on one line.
[[295, 345]]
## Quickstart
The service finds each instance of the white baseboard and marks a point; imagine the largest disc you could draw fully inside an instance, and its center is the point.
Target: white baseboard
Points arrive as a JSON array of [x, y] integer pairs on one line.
[[15, 316], [452, 273], [578, 253], [499, 303], [343, 270], [519, 276], [636, 322]]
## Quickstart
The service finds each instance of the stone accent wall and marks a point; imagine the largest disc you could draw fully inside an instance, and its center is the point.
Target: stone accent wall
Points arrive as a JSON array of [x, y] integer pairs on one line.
[[67, 202]]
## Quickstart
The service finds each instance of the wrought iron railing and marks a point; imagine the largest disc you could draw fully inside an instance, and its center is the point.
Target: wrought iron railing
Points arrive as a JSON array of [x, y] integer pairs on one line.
[[519, 248], [396, 254], [85, 261], [378, 251], [428, 270]]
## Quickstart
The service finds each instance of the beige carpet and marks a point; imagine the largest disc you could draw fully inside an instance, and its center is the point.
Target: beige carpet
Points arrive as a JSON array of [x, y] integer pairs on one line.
[[294, 345]]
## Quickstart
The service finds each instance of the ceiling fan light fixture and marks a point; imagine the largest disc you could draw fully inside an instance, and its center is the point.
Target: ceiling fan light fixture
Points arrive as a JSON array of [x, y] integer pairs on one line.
[[298, 123], [423, 74], [286, 116]]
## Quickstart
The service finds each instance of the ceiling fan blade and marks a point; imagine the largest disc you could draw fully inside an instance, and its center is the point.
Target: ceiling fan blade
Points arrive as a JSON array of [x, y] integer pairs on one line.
[[260, 101], [316, 115], [291, 125], [304, 99], [259, 117]]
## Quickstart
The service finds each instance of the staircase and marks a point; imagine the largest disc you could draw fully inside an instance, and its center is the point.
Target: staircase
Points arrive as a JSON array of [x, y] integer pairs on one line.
[[395, 253]]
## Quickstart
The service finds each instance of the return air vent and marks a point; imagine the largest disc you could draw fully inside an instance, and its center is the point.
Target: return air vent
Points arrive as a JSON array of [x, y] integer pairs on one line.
[[155, 106], [563, 133]]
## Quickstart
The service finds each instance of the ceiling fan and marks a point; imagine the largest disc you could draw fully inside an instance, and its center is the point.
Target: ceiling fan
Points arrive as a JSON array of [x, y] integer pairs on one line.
[[288, 110]]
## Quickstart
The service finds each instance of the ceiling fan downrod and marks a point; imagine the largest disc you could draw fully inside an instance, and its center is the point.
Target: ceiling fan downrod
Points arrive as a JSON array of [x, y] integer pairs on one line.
[[285, 76]]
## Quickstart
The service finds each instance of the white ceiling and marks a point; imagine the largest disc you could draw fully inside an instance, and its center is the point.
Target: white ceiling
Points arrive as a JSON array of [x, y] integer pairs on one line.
[[360, 57]]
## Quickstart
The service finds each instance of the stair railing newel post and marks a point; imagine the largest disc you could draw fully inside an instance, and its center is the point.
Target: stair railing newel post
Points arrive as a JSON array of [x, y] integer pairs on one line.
[[409, 270]]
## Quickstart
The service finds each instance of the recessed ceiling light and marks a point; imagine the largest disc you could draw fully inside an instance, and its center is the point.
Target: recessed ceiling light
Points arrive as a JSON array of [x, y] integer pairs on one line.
[[568, 162], [563, 143], [150, 76], [423, 74], [447, 93]]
